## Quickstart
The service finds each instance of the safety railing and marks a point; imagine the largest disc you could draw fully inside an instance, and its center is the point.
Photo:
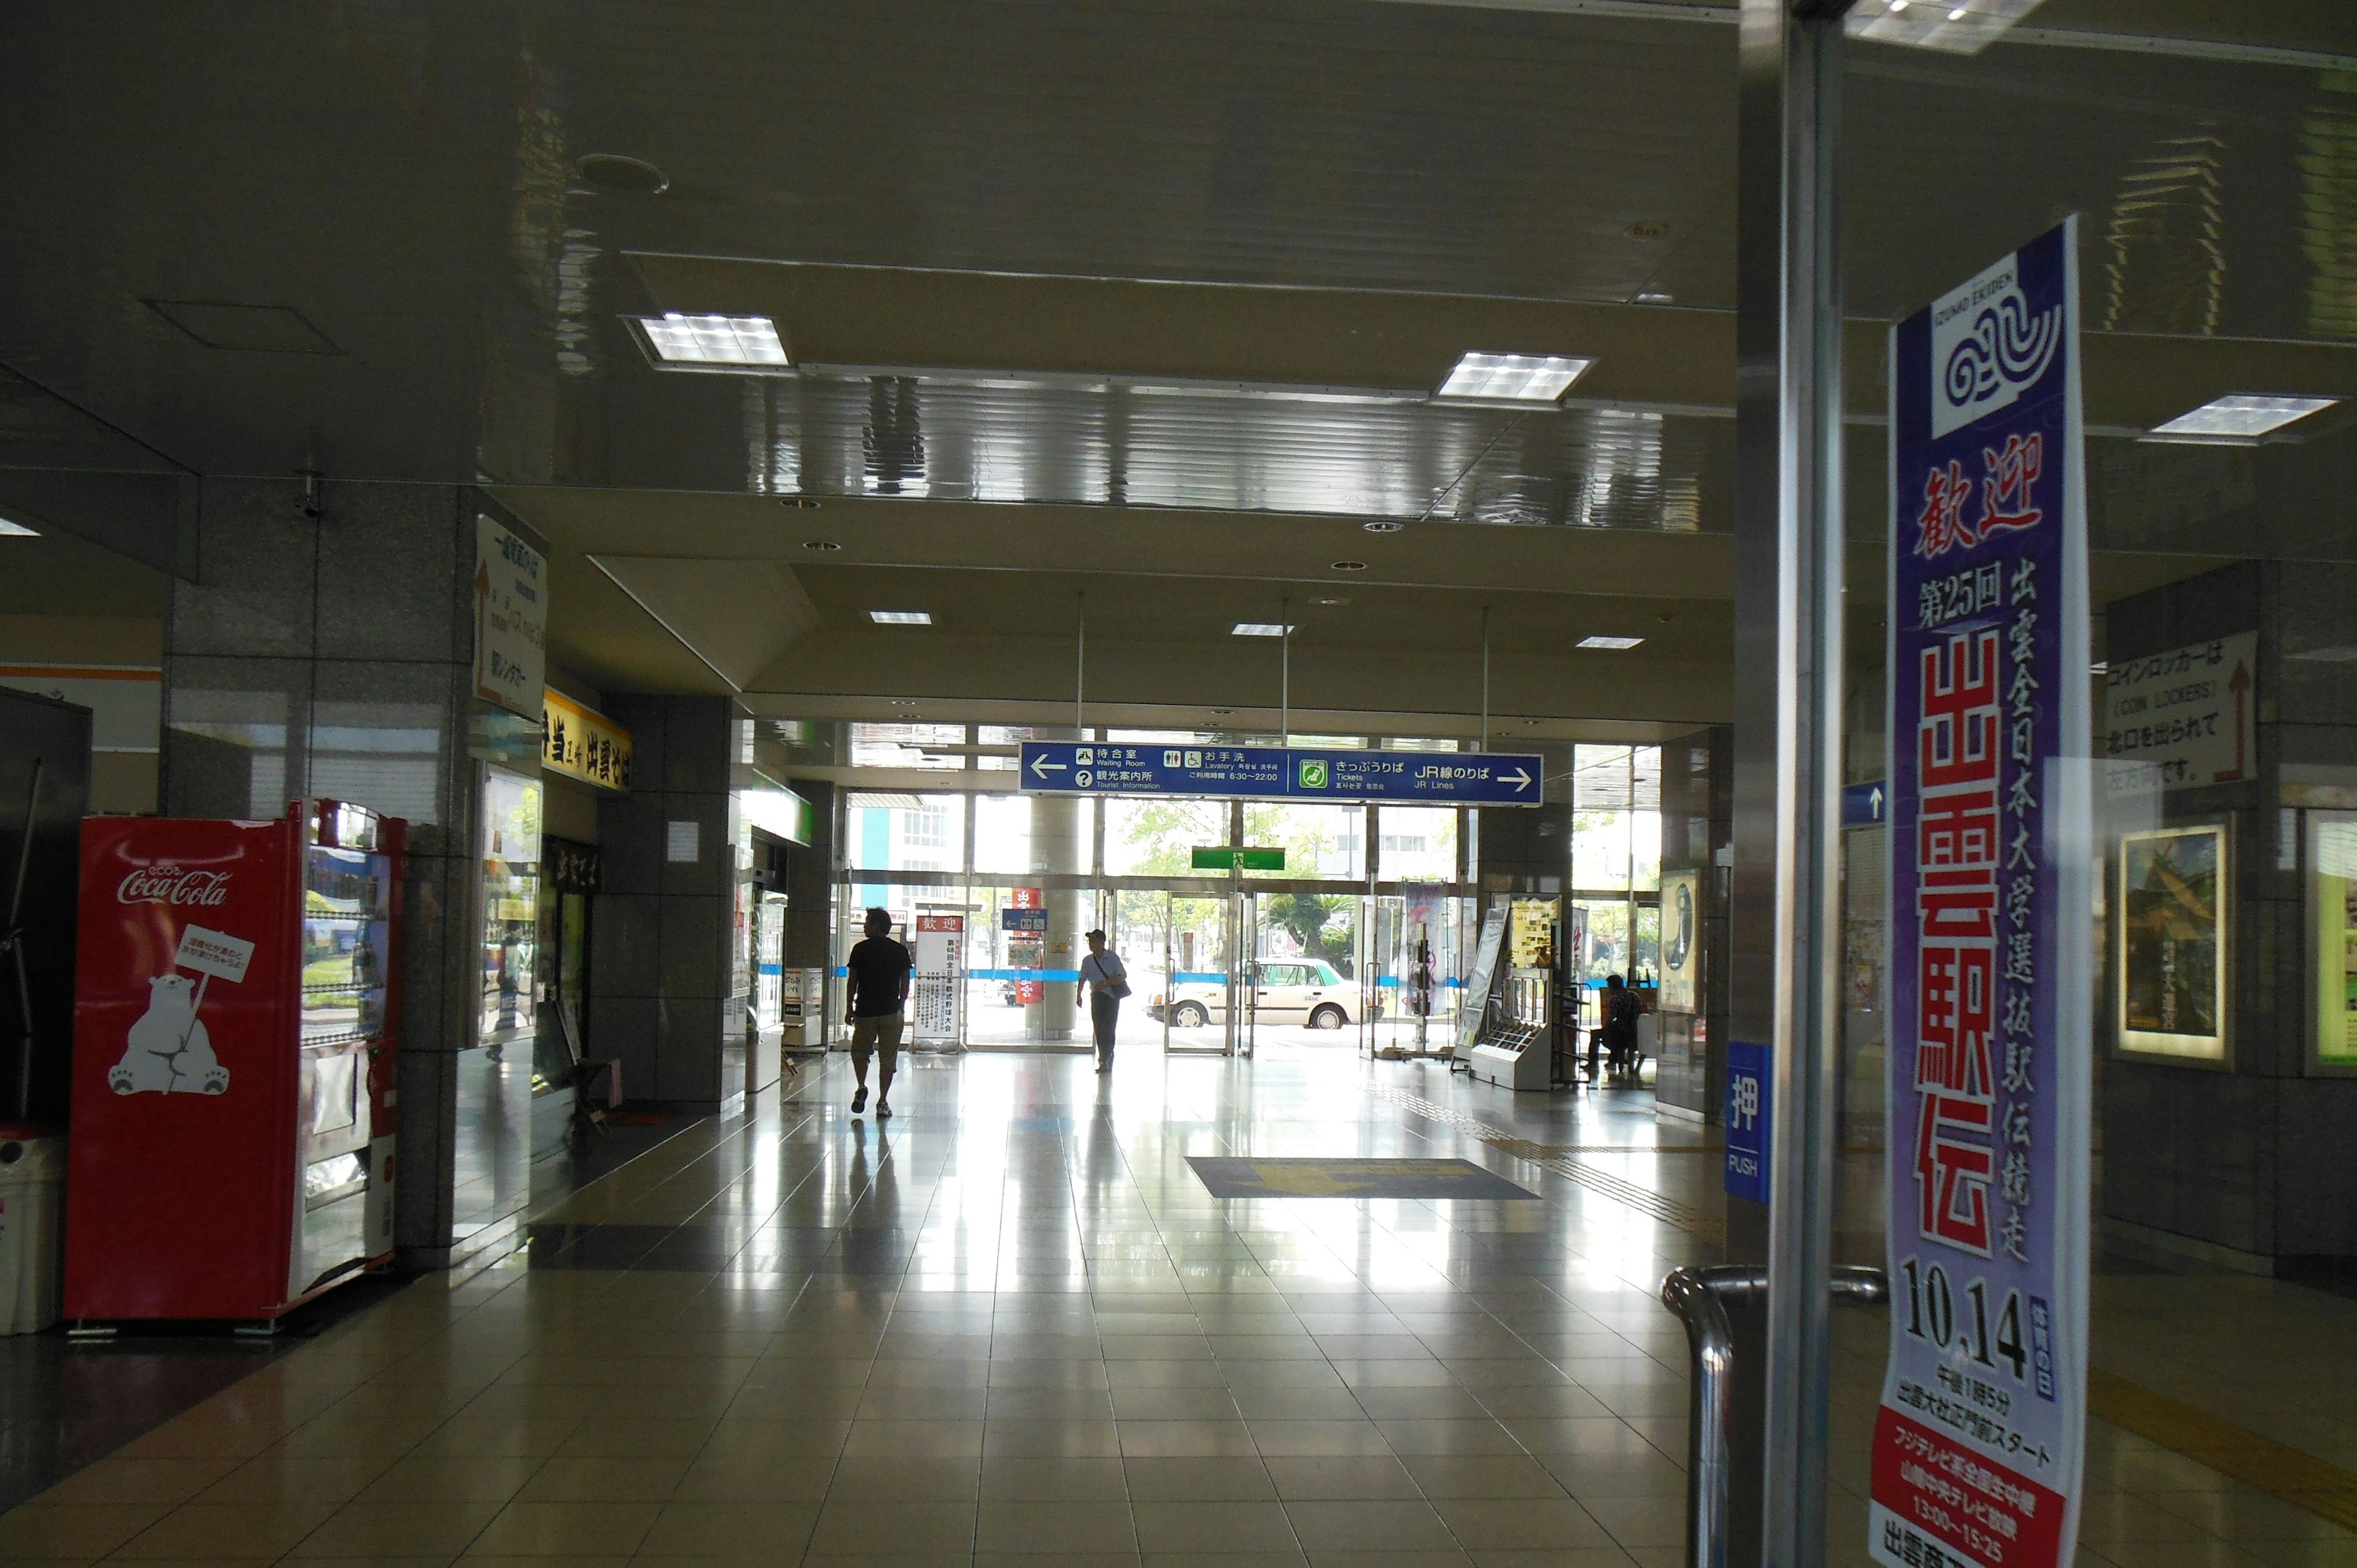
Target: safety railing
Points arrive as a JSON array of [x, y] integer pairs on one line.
[[1701, 1298]]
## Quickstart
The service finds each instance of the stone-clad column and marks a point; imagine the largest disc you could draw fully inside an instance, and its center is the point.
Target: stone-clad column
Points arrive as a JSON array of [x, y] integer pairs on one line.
[[326, 649]]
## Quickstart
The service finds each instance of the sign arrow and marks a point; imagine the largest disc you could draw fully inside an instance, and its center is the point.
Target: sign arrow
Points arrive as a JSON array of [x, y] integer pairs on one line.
[[1518, 778], [2240, 684], [1042, 767], [1874, 802]]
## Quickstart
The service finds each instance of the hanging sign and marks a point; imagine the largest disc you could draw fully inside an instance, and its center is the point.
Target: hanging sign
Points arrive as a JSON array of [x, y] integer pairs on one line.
[[1280, 773], [510, 620], [1977, 1444]]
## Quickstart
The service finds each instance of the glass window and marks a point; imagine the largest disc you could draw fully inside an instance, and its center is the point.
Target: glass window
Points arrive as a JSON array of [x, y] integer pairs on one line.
[[1155, 838], [1420, 844], [905, 832], [908, 746], [1327, 842], [1012, 735]]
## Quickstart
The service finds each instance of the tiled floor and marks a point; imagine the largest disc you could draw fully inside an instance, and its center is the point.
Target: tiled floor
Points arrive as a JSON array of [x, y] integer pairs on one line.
[[1011, 1324]]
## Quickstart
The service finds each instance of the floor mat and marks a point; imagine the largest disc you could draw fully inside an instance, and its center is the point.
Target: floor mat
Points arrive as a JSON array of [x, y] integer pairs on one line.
[[1231, 1178]]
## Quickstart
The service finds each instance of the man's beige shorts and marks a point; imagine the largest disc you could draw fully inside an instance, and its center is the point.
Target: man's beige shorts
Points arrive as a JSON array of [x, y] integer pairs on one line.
[[872, 1034]]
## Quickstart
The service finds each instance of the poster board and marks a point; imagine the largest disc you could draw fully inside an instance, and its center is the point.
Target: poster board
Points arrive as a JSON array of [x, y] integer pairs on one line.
[[1474, 1010], [1681, 941], [937, 996], [2170, 957], [2332, 919]]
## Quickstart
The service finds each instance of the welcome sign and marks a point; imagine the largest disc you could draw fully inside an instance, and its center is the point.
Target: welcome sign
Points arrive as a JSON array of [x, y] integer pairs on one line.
[[1978, 1445]]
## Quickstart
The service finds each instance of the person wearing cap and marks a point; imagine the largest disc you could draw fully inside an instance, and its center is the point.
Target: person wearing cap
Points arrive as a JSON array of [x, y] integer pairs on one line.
[[1104, 981]]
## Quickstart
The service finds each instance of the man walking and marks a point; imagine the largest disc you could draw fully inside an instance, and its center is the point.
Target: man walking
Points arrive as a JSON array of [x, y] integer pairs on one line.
[[879, 970], [1104, 981]]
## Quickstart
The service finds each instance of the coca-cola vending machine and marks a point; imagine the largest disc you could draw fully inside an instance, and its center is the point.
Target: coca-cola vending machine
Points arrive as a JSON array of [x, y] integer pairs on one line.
[[236, 1008]]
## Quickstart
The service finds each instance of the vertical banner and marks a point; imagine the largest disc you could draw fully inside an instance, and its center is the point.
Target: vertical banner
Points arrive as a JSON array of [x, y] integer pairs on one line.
[[1977, 1444], [939, 995]]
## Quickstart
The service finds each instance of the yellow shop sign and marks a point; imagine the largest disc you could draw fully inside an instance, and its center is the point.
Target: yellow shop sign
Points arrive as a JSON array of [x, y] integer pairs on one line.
[[582, 743]]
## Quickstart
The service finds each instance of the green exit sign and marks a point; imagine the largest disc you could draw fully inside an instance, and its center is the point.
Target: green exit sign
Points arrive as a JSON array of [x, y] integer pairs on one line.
[[1218, 859]]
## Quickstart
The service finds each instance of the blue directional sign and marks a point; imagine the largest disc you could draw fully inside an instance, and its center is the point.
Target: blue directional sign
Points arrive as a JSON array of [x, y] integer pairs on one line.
[[1023, 922], [1268, 772], [1862, 804]]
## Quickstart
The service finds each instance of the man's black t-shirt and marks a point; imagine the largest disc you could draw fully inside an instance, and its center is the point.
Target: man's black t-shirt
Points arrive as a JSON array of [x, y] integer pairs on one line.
[[877, 967]]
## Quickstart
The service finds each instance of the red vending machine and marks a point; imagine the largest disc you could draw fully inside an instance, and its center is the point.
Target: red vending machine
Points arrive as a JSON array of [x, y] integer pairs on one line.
[[236, 1007]]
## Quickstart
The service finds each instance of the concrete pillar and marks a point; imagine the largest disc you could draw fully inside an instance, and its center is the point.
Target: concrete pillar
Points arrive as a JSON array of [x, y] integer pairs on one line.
[[2243, 1161], [664, 995], [1060, 843], [332, 654]]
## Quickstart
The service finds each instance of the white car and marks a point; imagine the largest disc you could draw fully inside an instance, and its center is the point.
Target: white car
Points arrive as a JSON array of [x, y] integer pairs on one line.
[[1291, 991]]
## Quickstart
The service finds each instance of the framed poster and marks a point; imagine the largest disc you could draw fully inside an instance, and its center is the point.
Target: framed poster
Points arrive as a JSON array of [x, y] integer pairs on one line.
[[2332, 925], [2170, 955], [1681, 941]]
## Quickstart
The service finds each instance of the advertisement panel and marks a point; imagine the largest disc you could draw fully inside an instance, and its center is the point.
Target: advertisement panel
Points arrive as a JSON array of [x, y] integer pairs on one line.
[[184, 1070], [2170, 959], [1681, 941], [1978, 1445]]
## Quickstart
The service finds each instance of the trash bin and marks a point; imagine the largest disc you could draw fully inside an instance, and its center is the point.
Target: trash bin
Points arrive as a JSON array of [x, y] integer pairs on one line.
[[32, 1227]]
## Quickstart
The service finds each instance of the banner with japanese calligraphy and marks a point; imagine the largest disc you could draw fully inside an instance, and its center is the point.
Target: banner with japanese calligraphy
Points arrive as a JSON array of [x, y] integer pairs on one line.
[[1977, 1444]]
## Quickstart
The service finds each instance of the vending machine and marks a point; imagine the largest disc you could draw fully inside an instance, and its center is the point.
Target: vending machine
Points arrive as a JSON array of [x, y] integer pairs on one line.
[[236, 1007]]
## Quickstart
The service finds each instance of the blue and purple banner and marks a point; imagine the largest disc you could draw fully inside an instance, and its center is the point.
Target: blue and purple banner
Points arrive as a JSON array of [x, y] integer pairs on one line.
[[1977, 1445]]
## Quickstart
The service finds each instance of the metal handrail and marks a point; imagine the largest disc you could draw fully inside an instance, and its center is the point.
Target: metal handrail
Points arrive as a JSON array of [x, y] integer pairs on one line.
[[1700, 1297]]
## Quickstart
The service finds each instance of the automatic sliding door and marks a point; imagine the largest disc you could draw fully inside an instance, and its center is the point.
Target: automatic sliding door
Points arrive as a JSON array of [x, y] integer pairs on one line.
[[1194, 1001]]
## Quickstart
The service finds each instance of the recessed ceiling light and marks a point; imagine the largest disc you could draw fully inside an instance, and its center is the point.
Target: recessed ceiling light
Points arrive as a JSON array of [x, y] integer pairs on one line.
[[1512, 377], [17, 531], [2239, 416], [799, 503], [1962, 26], [1223, 713], [1382, 525], [621, 174], [1616, 643], [682, 339], [901, 618], [1260, 629], [1348, 566], [821, 544], [1331, 603], [1655, 296]]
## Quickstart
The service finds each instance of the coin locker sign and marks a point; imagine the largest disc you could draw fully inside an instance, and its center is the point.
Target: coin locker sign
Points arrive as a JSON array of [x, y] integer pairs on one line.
[[1977, 1444]]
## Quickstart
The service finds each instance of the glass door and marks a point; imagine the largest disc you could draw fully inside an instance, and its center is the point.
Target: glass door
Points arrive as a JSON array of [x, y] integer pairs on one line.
[[1197, 960]]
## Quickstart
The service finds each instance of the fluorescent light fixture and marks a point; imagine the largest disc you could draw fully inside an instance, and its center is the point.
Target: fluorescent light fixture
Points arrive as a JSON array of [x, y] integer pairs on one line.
[[17, 531], [2239, 416], [1511, 378], [681, 339], [901, 618], [1951, 27], [1259, 628], [1618, 644]]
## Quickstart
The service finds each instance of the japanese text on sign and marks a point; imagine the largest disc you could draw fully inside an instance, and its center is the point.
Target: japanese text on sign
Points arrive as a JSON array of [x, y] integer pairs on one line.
[[1977, 1446]]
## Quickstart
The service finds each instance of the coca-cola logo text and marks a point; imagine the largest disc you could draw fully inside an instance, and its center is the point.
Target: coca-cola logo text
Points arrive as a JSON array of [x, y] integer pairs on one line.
[[170, 885]]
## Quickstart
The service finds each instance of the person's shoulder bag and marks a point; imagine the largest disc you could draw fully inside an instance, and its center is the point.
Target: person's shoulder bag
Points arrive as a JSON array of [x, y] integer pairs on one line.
[[1116, 985]]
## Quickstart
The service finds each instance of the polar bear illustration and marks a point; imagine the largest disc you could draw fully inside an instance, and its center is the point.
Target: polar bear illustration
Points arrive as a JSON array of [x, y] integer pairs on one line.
[[169, 1050]]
